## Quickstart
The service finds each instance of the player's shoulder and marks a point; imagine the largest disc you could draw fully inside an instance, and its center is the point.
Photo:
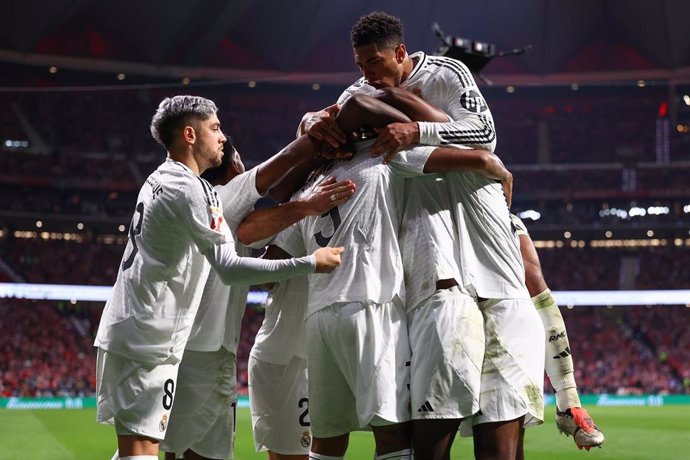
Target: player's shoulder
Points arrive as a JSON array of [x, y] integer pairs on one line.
[[447, 68], [361, 86], [185, 186]]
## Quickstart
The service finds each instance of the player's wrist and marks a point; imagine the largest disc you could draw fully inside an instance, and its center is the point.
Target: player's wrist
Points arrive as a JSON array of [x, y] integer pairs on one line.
[[301, 208], [415, 133]]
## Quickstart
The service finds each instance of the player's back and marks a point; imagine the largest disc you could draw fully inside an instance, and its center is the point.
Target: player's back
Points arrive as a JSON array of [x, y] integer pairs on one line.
[[281, 335], [367, 226], [149, 313], [489, 248]]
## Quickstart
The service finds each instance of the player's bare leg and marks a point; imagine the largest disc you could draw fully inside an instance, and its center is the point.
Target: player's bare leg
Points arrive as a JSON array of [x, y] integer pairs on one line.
[[394, 438], [497, 440], [433, 439], [335, 446], [188, 455], [132, 445], [277, 456]]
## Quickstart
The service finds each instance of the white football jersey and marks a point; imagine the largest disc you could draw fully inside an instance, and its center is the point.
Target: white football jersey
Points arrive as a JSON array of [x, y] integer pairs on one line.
[[219, 318], [427, 238], [151, 308], [447, 84], [282, 335], [489, 247], [366, 225], [428, 232]]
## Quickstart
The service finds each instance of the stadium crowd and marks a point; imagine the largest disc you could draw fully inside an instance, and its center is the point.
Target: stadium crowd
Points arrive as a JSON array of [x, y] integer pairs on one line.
[[46, 348]]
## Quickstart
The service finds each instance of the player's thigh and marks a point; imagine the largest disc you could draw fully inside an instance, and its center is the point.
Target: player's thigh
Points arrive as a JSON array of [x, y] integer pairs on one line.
[[513, 370], [447, 339], [280, 406], [203, 417], [136, 397]]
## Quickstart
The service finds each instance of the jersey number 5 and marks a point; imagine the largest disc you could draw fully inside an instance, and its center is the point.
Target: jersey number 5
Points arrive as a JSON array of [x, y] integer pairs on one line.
[[134, 230], [322, 240]]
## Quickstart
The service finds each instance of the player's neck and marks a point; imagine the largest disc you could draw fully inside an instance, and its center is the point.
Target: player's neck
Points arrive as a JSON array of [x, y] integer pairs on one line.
[[186, 159], [408, 65]]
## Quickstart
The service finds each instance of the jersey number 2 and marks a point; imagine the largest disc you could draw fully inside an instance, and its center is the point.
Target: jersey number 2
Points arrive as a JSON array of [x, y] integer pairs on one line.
[[134, 230]]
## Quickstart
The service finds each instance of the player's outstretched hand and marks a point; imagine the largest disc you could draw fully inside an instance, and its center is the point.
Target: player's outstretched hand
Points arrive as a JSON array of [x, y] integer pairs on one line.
[[327, 259], [326, 195]]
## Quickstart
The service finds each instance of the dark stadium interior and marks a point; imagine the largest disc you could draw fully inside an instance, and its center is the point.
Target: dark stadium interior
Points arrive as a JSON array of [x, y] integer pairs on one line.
[[594, 123]]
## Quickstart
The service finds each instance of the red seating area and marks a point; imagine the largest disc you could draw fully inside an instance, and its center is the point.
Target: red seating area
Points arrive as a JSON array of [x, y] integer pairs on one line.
[[46, 348]]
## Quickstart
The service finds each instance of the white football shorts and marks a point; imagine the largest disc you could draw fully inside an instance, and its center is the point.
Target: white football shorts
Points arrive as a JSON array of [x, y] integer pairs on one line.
[[513, 369], [135, 397], [280, 406], [447, 339], [358, 362], [203, 417]]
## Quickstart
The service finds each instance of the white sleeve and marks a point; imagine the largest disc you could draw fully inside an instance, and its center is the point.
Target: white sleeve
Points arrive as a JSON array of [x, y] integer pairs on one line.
[[239, 197], [233, 269], [472, 124], [200, 209]]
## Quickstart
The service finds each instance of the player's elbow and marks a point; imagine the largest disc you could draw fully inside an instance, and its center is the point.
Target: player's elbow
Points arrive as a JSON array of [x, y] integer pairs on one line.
[[245, 235]]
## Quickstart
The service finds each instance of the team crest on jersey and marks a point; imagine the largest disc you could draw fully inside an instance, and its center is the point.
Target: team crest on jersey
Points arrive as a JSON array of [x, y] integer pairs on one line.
[[216, 218], [163, 424], [306, 439], [473, 101]]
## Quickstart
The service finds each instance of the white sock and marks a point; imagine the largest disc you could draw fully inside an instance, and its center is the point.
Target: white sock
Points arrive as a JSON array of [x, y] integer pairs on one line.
[[405, 454], [558, 360]]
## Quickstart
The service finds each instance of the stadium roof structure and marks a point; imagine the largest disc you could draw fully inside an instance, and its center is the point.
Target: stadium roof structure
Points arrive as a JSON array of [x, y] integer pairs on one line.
[[307, 41]]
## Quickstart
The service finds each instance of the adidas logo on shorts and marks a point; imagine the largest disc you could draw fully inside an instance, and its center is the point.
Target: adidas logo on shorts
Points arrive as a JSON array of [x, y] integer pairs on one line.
[[426, 407]]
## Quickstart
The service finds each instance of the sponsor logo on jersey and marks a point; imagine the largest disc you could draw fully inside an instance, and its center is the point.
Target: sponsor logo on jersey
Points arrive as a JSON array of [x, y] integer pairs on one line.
[[163, 424], [305, 441], [473, 101]]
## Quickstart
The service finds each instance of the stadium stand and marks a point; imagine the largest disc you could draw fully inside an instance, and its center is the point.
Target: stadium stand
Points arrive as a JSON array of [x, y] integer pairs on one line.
[[579, 158]]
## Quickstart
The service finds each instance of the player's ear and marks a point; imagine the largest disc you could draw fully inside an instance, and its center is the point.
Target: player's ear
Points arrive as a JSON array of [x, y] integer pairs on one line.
[[400, 53], [189, 134]]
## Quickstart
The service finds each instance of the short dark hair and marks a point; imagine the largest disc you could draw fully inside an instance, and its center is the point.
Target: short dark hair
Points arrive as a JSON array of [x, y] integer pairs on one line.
[[377, 28], [174, 113]]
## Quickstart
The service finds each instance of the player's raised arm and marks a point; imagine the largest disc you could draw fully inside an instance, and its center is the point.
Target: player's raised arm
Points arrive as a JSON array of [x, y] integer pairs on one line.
[[446, 159], [264, 223]]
